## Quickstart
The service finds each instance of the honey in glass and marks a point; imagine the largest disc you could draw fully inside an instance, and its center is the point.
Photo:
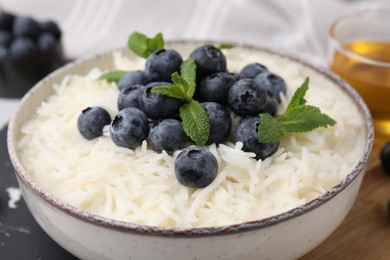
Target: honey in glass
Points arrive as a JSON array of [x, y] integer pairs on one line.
[[363, 59]]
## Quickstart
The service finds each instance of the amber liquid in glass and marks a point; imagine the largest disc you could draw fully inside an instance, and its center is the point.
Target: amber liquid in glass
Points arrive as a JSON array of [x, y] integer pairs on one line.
[[371, 80]]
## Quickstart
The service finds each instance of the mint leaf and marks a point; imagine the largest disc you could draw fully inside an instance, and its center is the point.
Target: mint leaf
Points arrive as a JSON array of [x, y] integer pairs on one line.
[[270, 130], [138, 43], [112, 76], [157, 42], [183, 85], [188, 73], [298, 97], [178, 89], [195, 119], [169, 90], [143, 46], [225, 46], [180, 83], [196, 122], [298, 117], [305, 118]]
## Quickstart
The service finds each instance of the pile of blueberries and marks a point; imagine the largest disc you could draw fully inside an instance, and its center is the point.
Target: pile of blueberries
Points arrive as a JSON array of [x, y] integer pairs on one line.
[[23, 36], [146, 115]]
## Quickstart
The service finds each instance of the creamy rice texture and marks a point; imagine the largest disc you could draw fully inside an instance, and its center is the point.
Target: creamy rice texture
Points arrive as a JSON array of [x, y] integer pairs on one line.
[[139, 186]]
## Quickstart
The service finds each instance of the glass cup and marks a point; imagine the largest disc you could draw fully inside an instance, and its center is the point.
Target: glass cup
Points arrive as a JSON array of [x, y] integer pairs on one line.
[[359, 52]]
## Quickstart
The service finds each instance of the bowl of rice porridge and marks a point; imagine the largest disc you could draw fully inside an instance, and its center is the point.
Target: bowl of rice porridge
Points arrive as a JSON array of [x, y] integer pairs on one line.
[[101, 200]]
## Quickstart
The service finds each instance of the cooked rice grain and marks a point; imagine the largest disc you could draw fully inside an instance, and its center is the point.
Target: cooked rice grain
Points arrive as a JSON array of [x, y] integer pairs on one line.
[[140, 186]]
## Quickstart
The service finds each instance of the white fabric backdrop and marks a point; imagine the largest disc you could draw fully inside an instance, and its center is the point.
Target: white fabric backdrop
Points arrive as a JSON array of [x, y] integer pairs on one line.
[[92, 26]]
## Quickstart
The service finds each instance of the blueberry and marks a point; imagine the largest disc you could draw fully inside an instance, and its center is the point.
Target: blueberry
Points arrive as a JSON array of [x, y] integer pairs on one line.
[[158, 106], [196, 167], [161, 64], [168, 135], [208, 60], [246, 98], [220, 122], [22, 47], [46, 41], [3, 52], [215, 87], [5, 38], [91, 122], [237, 76], [129, 96], [133, 78], [6, 21], [52, 28], [271, 107], [250, 71], [246, 132], [25, 26], [385, 157], [129, 128], [274, 83]]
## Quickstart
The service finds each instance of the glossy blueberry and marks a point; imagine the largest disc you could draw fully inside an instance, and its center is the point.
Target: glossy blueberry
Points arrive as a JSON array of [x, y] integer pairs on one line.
[[251, 70], [237, 76], [91, 122], [161, 64], [215, 87], [22, 47], [158, 106], [6, 21], [52, 28], [208, 60], [246, 132], [5, 38], [25, 26], [137, 77], [196, 167], [385, 157], [129, 96], [168, 135], [129, 128], [246, 98], [274, 83], [271, 107], [46, 41], [220, 122]]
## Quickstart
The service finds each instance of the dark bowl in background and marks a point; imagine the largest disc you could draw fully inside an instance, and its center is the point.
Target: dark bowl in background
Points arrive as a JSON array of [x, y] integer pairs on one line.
[[19, 75]]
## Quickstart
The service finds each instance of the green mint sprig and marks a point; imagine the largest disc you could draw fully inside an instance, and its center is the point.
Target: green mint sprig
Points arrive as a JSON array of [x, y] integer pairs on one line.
[[225, 46], [195, 120], [143, 46], [112, 76], [298, 117]]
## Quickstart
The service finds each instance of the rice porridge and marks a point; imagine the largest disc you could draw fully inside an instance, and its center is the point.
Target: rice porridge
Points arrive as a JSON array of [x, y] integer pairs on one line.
[[139, 186]]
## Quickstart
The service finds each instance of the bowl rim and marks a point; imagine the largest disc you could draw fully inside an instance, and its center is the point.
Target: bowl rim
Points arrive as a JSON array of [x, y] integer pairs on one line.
[[193, 232]]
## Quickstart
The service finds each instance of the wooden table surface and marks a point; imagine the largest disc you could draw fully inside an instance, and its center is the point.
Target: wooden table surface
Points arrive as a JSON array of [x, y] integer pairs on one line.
[[365, 232]]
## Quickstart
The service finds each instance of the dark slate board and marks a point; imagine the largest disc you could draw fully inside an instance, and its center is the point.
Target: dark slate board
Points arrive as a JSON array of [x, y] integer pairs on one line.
[[20, 235]]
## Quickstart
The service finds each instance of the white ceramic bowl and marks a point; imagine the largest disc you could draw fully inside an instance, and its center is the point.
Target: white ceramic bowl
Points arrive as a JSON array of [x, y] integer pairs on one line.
[[288, 235]]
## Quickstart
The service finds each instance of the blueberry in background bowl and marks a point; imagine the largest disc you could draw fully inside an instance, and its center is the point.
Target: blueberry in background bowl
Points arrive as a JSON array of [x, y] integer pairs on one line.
[[29, 50]]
